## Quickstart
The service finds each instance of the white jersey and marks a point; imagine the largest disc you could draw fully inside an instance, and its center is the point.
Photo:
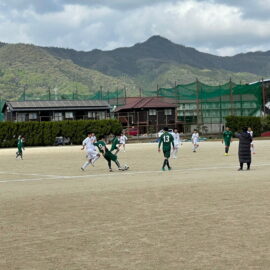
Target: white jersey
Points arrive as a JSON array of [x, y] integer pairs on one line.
[[88, 143], [176, 138], [251, 133], [93, 139], [123, 139], [195, 138]]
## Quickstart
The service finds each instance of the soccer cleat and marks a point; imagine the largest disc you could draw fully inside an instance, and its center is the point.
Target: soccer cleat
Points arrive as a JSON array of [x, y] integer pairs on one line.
[[240, 169], [163, 169], [170, 168], [226, 154], [82, 169]]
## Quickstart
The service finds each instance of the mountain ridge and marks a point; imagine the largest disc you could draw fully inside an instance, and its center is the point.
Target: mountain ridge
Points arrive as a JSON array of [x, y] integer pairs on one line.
[[157, 61]]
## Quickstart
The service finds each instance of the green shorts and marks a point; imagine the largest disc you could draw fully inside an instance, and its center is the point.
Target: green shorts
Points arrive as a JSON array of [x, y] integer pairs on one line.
[[167, 152], [227, 143], [110, 156]]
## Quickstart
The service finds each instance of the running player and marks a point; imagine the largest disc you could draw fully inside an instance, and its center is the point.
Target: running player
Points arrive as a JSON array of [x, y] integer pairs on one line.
[[122, 140], [108, 155], [195, 140], [167, 140], [252, 148], [227, 139], [91, 154], [115, 142], [177, 141], [20, 145]]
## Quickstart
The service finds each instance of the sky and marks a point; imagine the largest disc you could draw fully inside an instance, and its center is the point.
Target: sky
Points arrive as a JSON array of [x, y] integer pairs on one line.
[[221, 27]]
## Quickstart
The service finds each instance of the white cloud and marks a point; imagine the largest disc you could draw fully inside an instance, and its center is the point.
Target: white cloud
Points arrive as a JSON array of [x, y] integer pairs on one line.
[[214, 26]]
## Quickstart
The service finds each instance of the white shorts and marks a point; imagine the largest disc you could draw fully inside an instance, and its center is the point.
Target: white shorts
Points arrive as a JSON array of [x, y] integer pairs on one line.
[[91, 154], [195, 142], [177, 146]]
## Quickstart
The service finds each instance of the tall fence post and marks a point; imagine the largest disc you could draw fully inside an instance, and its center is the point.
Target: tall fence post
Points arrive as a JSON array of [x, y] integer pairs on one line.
[[101, 92], [197, 102], [263, 97], [231, 96]]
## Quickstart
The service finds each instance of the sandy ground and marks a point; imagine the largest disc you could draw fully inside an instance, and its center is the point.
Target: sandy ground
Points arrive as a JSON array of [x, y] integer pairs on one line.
[[201, 215]]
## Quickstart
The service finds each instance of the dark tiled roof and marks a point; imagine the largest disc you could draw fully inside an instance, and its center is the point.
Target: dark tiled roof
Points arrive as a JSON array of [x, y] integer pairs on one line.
[[57, 105], [148, 102]]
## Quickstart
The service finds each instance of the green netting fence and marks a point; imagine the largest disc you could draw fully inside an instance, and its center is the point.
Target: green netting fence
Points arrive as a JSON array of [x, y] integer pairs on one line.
[[203, 103], [116, 97], [197, 102]]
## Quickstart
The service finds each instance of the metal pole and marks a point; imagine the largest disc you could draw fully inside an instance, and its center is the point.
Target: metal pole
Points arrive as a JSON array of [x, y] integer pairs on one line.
[[263, 97], [49, 93], [197, 101], [220, 110], [101, 92], [231, 97]]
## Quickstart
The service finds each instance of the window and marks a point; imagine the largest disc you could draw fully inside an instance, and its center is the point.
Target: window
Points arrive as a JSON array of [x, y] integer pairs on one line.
[[102, 115], [69, 115], [58, 116], [152, 112], [21, 117], [168, 111], [92, 115], [32, 116]]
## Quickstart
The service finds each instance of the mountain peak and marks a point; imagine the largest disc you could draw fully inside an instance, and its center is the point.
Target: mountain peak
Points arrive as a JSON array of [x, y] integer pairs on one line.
[[158, 39]]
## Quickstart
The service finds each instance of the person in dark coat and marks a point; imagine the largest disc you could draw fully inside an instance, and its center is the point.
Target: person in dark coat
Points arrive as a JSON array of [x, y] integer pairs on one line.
[[244, 152]]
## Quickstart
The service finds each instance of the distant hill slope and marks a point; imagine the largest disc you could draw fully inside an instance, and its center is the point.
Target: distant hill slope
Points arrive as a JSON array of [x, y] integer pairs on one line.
[[145, 65], [158, 50], [33, 68]]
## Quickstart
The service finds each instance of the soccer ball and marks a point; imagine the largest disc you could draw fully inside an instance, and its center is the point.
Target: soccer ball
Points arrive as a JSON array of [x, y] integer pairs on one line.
[[126, 167]]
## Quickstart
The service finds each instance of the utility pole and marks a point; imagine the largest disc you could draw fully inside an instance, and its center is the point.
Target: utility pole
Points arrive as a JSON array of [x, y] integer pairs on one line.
[[101, 96]]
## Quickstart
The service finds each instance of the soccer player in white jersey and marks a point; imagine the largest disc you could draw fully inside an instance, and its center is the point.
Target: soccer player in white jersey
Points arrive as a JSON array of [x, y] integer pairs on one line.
[[177, 141], [93, 138], [123, 138], [195, 140], [91, 154], [252, 148]]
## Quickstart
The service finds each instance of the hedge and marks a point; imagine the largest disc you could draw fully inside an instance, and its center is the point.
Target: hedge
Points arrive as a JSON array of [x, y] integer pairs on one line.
[[44, 133], [236, 123]]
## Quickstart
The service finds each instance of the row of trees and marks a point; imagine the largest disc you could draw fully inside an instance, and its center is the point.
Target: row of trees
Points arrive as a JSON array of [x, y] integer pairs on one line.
[[44, 133], [258, 124]]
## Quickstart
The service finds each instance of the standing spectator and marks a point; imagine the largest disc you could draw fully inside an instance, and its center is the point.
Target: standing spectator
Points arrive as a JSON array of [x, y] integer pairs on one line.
[[244, 152]]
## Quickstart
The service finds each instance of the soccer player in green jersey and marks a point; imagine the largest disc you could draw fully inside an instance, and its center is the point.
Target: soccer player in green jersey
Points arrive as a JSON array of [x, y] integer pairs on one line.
[[167, 140], [115, 142], [227, 139], [108, 155], [20, 146]]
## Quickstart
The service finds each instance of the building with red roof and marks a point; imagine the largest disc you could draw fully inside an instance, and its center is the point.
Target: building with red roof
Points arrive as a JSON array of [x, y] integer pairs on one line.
[[147, 114]]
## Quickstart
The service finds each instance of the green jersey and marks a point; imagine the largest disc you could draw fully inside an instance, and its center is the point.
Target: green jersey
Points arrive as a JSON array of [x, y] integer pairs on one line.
[[115, 141], [100, 145], [166, 139], [20, 145], [227, 136], [107, 155]]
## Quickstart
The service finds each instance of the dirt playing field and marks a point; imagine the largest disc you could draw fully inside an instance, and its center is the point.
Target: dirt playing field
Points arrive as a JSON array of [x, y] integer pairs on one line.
[[201, 215]]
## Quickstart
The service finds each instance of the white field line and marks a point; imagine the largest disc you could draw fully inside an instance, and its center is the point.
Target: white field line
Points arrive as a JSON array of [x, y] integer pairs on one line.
[[62, 177], [31, 174]]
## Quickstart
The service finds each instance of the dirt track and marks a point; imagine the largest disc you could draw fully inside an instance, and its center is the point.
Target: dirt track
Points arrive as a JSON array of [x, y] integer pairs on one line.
[[202, 215]]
